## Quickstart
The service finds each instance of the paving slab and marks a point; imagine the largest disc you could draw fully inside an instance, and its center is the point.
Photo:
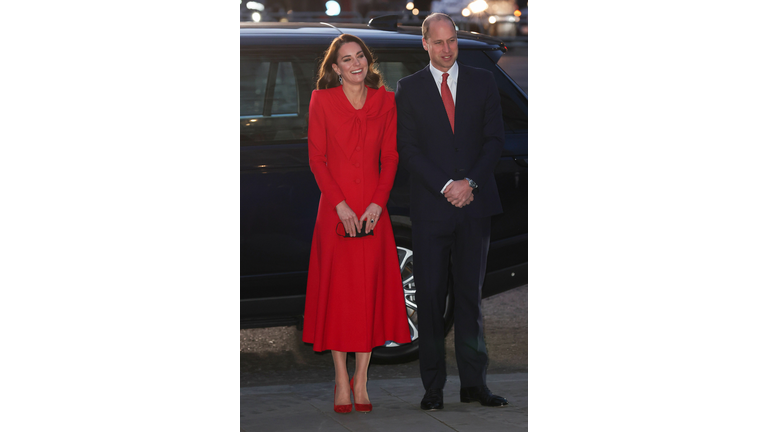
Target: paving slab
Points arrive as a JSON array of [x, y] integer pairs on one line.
[[309, 407]]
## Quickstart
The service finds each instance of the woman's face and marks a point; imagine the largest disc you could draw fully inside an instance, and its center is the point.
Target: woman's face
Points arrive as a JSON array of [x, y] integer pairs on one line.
[[351, 63]]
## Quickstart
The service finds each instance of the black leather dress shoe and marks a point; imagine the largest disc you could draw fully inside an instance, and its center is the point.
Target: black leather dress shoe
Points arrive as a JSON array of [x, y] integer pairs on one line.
[[483, 395], [433, 400]]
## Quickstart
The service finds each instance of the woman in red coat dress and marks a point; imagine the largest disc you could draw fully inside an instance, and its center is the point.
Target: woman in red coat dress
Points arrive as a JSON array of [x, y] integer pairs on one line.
[[354, 290]]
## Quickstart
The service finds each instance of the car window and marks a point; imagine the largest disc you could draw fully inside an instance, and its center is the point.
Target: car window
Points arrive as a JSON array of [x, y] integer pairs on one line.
[[514, 106], [285, 99], [398, 64], [275, 88], [274, 96], [392, 72], [395, 65], [253, 86]]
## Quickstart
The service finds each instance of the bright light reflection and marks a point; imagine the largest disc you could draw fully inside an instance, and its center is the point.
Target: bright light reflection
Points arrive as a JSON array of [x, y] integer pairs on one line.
[[256, 17], [465, 12], [332, 8], [518, 13], [409, 6], [415, 11], [492, 19], [478, 6]]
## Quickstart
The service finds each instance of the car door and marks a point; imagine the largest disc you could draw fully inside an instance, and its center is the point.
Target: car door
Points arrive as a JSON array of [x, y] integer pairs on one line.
[[278, 193]]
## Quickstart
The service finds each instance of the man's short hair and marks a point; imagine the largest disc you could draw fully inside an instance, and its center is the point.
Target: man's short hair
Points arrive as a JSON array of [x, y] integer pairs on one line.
[[437, 16]]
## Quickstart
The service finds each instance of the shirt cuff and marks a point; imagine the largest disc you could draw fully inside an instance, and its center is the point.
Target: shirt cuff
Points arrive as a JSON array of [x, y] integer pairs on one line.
[[446, 185]]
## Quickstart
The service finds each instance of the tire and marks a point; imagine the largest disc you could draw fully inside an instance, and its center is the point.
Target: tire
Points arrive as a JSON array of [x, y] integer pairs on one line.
[[392, 352]]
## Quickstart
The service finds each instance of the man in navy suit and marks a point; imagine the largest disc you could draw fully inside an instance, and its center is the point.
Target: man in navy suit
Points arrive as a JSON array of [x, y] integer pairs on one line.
[[450, 135]]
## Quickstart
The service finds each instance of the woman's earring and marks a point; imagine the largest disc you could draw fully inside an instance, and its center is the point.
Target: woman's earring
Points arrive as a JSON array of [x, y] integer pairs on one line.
[[340, 80]]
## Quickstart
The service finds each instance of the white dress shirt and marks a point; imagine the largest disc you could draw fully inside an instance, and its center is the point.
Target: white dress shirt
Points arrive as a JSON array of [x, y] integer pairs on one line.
[[453, 77]]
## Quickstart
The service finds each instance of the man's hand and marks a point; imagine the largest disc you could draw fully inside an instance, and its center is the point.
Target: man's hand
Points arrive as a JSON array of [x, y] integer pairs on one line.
[[459, 193]]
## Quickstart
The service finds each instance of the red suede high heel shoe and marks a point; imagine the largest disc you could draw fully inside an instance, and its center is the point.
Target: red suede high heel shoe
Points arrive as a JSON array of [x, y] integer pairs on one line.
[[341, 409], [363, 408]]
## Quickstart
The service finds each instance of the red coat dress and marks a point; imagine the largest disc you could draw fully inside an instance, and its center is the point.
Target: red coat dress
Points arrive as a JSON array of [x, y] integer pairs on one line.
[[354, 289]]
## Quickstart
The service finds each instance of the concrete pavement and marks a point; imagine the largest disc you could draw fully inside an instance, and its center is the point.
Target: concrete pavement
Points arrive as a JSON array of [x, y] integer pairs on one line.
[[309, 407]]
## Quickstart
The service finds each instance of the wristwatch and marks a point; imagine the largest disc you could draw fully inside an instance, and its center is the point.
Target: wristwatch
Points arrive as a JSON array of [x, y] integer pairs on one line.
[[472, 183]]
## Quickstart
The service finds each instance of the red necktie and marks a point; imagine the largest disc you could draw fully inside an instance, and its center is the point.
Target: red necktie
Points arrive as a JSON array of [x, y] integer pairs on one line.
[[445, 91]]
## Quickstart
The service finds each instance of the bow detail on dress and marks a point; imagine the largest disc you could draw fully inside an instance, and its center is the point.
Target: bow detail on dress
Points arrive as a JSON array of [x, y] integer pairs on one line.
[[352, 131]]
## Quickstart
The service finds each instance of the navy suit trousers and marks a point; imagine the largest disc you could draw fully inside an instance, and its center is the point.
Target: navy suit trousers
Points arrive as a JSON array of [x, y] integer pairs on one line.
[[459, 245]]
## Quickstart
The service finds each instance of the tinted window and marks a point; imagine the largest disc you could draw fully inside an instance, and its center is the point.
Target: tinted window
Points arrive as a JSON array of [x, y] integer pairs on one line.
[[394, 65], [275, 88], [274, 96], [285, 100], [253, 86], [398, 64], [514, 106]]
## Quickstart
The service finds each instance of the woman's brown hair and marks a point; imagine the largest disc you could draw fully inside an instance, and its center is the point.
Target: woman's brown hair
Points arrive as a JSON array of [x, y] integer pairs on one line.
[[328, 78]]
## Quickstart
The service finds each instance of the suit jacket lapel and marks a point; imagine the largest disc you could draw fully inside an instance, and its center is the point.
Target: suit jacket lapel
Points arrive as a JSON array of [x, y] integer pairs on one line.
[[463, 94], [433, 100]]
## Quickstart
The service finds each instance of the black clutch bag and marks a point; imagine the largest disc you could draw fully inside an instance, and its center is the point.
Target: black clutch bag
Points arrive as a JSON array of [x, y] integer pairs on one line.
[[340, 231]]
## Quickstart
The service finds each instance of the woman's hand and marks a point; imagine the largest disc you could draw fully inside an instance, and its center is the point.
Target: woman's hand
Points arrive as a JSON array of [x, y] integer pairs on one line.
[[348, 218], [372, 213]]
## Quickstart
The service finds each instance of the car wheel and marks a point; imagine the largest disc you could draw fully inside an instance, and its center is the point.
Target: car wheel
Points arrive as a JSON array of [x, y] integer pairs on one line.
[[393, 352]]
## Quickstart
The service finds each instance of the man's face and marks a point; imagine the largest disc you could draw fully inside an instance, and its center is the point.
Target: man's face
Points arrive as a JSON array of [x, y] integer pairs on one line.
[[442, 45]]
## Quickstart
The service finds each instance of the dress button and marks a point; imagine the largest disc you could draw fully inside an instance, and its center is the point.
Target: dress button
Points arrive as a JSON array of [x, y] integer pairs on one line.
[[357, 165], [357, 148], [357, 181]]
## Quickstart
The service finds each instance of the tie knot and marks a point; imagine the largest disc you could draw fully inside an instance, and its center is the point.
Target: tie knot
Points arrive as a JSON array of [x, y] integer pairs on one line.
[[445, 77]]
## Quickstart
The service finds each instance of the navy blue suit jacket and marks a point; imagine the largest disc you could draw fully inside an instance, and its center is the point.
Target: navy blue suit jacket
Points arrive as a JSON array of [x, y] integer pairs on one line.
[[433, 154]]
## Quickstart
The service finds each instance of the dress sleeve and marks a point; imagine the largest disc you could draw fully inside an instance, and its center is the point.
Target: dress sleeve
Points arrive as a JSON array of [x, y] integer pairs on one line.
[[317, 138], [389, 159]]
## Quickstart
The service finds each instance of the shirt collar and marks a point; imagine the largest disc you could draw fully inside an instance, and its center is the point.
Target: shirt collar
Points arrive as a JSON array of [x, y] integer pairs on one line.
[[453, 73]]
